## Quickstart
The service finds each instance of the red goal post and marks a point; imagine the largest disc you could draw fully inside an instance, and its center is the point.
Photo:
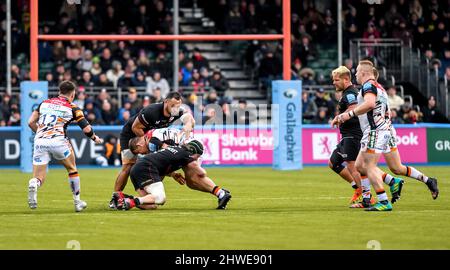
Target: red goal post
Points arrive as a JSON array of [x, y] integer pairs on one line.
[[35, 37]]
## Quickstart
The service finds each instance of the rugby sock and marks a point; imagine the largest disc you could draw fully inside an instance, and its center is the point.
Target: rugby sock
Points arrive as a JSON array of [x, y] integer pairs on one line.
[[413, 173], [382, 196], [365, 184], [138, 201], [74, 181], [218, 191], [37, 181], [354, 186], [388, 179]]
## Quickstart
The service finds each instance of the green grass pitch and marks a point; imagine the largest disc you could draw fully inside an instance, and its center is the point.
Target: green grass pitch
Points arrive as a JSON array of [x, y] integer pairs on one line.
[[269, 210]]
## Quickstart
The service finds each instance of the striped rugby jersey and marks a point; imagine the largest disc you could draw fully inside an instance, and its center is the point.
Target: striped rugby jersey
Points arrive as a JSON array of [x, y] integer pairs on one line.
[[55, 115], [379, 117]]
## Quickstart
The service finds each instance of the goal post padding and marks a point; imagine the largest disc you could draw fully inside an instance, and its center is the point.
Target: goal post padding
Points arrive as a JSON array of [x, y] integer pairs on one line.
[[31, 95], [287, 125]]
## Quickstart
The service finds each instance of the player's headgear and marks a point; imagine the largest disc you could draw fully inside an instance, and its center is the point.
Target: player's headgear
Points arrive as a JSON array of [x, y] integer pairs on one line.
[[195, 147]]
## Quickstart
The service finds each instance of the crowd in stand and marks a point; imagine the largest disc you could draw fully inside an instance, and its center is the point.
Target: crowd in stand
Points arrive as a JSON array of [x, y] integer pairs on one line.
[[135, 65]]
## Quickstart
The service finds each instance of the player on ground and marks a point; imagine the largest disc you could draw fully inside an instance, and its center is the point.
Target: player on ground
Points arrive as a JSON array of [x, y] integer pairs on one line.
[[195, 176], [148, 172], [50, 121], [154, 116]]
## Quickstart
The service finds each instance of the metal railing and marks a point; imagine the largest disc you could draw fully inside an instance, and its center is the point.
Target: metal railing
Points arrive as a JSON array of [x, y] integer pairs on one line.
[[385, 53], [399, 61]]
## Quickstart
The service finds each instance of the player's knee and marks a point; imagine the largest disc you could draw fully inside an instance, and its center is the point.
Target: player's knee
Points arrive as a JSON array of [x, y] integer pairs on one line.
[[158, 192], [201, 173], [396, 170], [360, 167], [335, 166]]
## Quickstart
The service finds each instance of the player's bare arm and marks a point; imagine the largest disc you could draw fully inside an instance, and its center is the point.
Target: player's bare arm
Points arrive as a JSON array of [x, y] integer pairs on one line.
[[138, 127], [32, 122], [188, 125]]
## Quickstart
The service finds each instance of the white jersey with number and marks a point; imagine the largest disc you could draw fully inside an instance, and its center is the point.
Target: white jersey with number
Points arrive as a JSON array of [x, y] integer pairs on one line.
[[377, 118]]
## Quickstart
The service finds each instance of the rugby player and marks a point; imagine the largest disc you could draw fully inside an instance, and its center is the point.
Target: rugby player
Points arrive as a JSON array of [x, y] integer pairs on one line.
[[49, 121], [393, 160], [372, 110], [348, 148], [379, 137], [148, 172], [154, 116], [195, 177]]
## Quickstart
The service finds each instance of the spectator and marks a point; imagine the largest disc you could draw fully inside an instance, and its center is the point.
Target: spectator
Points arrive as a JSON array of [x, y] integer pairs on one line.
[[139, 80], [322, 102], [103, 81], [269, 69], [96, 69], [199, 60], [309, 108], [125, 108], [5, 107], [146, 101], [101, 98], [394, 101], [81, 99], [296, 67], [93, 119], [430, 112], [186, 72], [108, 114], [211, 98], [115, 73], [14, 119], [394, 117], [59, 53], [50, 80], [243, 115], [106, 59], [132, 98], [307, 76], [234, 23], [157, 96], [321, 117], [210, 117], [196, 82], [157, 82], [86, 80], [87, 60], [219, 83]]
